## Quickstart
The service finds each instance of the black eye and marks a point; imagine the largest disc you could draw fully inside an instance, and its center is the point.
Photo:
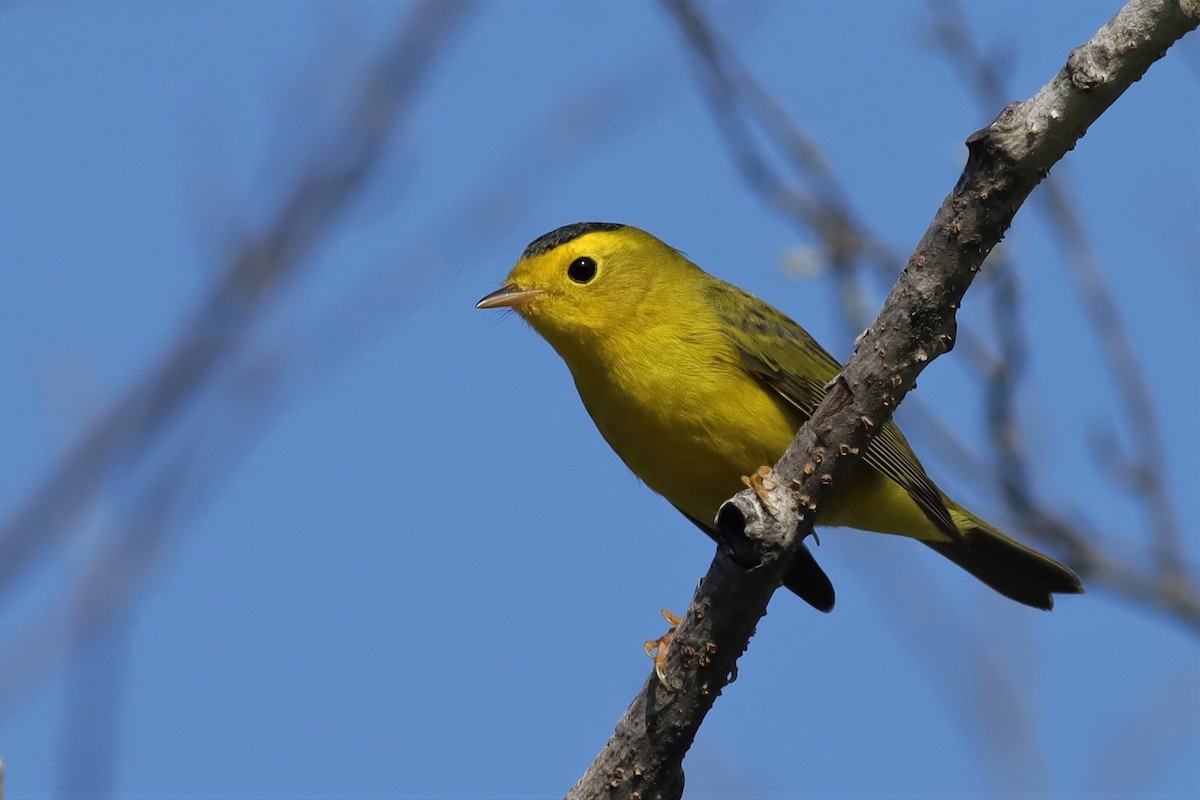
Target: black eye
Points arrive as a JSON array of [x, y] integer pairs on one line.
[[582, 269]]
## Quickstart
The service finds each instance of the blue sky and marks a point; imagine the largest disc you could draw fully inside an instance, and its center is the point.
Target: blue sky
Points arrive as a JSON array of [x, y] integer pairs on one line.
[[417, 570]]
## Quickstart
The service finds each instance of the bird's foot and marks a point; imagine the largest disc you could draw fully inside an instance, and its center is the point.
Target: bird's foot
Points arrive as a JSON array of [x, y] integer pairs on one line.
[[761, 483], [657, 650]]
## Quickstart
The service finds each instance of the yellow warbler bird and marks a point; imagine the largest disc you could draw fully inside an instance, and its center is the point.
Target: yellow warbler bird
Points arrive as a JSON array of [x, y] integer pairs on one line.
[[696, 383]]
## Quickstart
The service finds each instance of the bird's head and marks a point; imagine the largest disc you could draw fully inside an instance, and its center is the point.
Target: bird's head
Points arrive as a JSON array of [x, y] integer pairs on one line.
[[589, 281]]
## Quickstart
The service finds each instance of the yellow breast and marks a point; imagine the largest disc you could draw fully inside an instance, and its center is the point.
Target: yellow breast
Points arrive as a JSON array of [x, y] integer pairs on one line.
[[683, 415]]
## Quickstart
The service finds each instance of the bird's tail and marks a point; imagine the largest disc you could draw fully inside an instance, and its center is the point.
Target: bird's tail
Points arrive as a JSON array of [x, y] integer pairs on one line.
[[1011, 568]]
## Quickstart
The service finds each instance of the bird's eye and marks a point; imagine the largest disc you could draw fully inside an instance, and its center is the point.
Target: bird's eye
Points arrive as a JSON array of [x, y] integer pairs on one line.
[[582, 269]]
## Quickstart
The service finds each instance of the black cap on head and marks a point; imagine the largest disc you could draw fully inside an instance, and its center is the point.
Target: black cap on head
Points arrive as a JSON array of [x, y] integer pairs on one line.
[[560, 236]]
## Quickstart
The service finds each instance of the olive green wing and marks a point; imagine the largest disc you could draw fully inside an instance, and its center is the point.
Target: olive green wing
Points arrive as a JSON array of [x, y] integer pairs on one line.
[[782, 355]]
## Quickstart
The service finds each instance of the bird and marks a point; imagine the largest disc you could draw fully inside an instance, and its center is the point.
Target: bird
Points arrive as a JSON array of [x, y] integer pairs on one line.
[[696, 383]]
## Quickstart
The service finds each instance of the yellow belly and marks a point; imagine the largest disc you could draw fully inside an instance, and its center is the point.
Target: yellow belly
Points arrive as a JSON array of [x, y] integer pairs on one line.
[[696, 441]]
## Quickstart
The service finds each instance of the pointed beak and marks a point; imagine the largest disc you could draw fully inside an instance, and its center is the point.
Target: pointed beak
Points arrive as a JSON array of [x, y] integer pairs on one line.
[[509, 296]]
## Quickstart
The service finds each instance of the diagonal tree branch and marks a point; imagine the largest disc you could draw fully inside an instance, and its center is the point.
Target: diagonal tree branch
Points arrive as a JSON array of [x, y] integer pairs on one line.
[[1006, 160]]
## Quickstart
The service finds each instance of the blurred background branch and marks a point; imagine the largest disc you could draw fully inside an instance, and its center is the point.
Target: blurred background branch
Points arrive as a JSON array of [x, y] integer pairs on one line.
[[123, 450]]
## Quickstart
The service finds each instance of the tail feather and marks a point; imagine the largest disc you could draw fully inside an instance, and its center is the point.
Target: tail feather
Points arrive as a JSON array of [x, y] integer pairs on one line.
[[1011, 568], [809, 582]]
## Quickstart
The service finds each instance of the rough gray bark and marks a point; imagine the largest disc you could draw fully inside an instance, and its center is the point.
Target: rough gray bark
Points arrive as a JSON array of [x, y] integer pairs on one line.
[[1006, 160]]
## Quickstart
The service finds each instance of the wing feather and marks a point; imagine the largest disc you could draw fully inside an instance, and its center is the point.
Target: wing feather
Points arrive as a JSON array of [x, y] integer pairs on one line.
[[784, 357]]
